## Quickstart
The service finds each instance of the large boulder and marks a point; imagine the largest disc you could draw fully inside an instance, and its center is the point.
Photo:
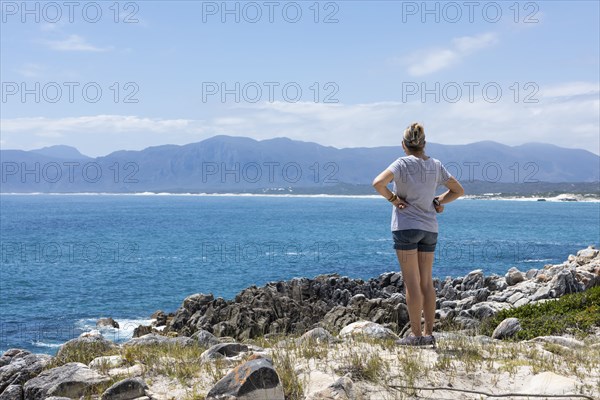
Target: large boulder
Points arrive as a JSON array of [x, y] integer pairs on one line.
[[514, 276], [586, 255], [22, 367], [127, 389], [367, 329], [12, 392], [507, 328], [254, 379], [91, 344], [71, 380]]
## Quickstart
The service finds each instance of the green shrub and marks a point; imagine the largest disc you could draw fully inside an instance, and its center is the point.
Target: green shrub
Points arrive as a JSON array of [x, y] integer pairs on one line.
[[575, 313]]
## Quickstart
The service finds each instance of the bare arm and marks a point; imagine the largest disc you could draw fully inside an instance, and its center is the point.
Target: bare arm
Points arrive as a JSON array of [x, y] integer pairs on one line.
[[380, 184], [381, 181], [455, 190]]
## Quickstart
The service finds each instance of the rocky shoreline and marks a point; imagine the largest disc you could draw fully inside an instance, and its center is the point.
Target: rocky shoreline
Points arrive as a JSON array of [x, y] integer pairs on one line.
[[269, 340], [332, 301]]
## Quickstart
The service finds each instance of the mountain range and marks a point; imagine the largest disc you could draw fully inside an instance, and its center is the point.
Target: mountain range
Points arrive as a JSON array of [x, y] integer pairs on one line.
[[282, 165]]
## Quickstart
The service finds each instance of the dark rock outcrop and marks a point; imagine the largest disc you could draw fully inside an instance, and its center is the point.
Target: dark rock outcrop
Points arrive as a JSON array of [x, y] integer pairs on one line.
[[333, 302], [293, 307]]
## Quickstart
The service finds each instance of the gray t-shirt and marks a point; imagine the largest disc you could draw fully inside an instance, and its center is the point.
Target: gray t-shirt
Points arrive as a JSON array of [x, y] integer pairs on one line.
[[416, 180]]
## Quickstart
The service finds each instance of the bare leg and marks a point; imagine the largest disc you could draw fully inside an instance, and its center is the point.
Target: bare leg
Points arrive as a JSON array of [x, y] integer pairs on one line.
[[409, 264], [426, 282]]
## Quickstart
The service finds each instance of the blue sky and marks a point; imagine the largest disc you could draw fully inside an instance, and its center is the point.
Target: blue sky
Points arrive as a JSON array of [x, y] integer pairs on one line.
[[378, 66]]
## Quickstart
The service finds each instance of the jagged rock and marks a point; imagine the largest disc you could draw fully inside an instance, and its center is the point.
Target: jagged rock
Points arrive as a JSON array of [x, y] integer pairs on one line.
[[532, 273], [12, 392], [107, 322], [191, 305], [586, 255], [341, 389], [142, 330], [338, 317], [317, 335], [449, 293], [479, 294], [542, 293], [13, 352], [564, 283], [22, 367], [69, 380], [205, 338], [254, 379], [466, 321], [495, 283], [89, 342], [515, 297], [466, 303], [127, 389], [449, 304], [333, 302], [368, 329], [474, 280], [294, 306], [514, 276], [507, 328], [223, 350], [160, 317]]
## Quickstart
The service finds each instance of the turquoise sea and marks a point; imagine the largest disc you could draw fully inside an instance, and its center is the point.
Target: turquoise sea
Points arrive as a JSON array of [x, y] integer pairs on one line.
[[70, 259]]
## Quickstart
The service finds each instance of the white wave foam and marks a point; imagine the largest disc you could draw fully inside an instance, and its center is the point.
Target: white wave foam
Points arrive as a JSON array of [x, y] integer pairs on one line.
[[38, 343], [123, 333]]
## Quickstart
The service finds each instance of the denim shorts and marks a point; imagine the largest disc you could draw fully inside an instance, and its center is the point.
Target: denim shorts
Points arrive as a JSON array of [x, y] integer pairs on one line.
[[411, 239]]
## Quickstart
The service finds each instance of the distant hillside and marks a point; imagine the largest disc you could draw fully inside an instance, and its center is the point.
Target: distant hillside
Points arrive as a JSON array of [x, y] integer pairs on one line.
[[239, 164]]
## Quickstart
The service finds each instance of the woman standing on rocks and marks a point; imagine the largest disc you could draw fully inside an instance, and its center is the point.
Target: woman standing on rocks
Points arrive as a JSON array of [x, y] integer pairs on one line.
[[414, 225]]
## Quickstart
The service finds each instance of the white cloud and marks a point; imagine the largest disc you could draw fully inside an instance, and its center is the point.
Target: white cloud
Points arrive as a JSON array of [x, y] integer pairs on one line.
[[74, 43], [570, 121], [435, 59], [570, 89], [31, 70]]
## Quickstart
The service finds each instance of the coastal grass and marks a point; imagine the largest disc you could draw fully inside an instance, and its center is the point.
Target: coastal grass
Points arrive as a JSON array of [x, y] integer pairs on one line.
[[182, 363], [82, 353], [575, 314], [378, 366]]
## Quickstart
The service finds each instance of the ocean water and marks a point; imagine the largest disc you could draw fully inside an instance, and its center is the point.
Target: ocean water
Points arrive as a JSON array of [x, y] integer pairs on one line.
[[68, 260]]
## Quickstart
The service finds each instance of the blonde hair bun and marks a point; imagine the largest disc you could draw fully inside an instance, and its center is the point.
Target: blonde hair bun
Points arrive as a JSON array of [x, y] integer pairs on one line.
[[414, 136]]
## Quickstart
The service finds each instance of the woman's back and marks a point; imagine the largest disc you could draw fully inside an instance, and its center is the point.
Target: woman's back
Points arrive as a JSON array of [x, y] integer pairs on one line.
[[416, 180]]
